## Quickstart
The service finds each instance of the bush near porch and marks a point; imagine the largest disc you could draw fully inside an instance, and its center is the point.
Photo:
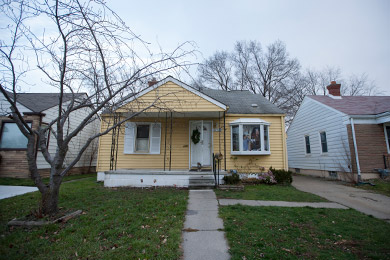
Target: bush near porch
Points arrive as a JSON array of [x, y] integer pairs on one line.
[[117, 224]]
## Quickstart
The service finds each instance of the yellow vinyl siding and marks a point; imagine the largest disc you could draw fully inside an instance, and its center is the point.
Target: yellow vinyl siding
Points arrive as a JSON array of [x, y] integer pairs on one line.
[[168, 97], [181, 146]]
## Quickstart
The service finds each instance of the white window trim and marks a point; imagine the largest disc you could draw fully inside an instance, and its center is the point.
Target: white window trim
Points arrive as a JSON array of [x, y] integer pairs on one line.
[[150, 136], [304, 145], [327, 146], [249, 121], [386, 137]]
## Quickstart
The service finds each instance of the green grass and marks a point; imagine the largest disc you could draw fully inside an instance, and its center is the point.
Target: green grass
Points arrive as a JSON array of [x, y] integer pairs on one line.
[[117, 224], [304, 233], [270, 192], [29, 182], [381, 186]]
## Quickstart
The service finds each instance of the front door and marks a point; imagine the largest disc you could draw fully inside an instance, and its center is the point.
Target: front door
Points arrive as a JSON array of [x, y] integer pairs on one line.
[[201, 151]]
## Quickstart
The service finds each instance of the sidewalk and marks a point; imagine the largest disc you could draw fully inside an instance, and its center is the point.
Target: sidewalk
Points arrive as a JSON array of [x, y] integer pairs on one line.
[[203, 235], [329, 205], [367, 202], [7, 191]]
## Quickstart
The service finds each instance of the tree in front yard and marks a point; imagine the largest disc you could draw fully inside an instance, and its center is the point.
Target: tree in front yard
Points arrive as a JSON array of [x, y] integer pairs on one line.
[[77, 46]]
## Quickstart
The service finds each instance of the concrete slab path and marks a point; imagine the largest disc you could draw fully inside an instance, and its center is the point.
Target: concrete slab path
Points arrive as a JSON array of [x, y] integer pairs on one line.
[[11, 191], [203, 235], [364, 201], [331, 205]]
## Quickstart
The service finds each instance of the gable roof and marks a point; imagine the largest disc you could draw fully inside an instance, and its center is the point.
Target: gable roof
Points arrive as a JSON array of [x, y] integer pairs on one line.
[[181, 84], [237, 102], [357, 105], [38, 102], [240, 102]]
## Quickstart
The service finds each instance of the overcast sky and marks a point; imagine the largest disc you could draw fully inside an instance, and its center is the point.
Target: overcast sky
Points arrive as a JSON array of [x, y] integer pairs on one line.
[[352, 35]]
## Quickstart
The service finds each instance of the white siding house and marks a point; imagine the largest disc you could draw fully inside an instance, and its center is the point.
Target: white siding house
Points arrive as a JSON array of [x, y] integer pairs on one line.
[[40, 109], [311, 119], [344, 137]]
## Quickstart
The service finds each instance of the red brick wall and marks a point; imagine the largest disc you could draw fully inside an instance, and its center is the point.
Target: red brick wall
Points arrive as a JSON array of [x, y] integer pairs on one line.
[[371, 144], [13, 163]]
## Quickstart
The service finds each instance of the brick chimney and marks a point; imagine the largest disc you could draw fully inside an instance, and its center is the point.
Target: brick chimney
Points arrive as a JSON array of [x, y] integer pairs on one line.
[[152, 82], [334, 89]]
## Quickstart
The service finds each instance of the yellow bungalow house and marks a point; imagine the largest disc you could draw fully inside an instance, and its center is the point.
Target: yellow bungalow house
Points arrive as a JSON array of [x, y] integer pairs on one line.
[[185, 133]]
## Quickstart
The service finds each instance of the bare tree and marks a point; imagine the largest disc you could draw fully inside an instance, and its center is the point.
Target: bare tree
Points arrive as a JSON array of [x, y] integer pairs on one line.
[[83, 46], [266, 72], [217, 70]]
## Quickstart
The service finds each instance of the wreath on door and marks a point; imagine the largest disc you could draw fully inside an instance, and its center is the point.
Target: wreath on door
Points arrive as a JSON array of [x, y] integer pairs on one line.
[[195, 137]]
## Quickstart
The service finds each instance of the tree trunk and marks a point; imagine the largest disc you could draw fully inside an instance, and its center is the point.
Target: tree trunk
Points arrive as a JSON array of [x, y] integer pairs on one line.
[[49, 201]]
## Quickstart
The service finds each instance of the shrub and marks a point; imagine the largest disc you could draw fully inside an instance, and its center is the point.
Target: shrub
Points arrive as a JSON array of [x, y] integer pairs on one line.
[[267, 177], [231, 179], [282, 176]]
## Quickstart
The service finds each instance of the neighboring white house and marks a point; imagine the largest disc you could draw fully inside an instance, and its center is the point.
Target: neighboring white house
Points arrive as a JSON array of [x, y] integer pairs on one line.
[[340, 136], [40, 109]]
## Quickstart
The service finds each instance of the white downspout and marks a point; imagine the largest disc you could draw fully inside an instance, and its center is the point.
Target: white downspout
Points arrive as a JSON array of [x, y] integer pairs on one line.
[[356, 150]]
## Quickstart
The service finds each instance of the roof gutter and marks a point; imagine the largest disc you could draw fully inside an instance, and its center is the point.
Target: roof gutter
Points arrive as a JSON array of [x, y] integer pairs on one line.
[[356, 150]]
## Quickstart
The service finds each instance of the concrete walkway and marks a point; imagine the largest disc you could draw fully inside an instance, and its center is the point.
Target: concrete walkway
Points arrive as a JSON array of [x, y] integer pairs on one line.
[[364, 201], [11, 191], [203, 237], [330, 205]]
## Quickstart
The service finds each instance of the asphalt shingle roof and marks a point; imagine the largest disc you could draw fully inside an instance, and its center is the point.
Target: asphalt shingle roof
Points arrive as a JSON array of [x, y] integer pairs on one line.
[[240, 102], [38, 102], [357, 105]]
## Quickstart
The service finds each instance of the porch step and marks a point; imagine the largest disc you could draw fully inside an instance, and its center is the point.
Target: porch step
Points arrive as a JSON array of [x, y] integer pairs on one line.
[[201, 182]]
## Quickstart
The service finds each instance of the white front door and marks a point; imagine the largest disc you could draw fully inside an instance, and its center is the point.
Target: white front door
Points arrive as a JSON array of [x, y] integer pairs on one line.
[[201, 152]]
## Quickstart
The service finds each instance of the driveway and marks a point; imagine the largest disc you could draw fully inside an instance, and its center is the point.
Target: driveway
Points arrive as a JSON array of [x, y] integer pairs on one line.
[[364, 201], [11, 191]]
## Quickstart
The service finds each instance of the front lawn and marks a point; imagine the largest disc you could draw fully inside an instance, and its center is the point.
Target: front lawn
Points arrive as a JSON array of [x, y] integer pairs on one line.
[[30, 182], [381, 186], [269, 192], [117, 224], [304, 233]]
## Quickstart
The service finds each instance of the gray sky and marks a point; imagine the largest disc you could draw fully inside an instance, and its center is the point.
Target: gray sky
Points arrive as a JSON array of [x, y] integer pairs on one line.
[[352, 35]]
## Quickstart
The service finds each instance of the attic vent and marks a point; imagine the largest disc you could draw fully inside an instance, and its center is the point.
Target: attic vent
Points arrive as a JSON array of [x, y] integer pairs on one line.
[[254, 105]]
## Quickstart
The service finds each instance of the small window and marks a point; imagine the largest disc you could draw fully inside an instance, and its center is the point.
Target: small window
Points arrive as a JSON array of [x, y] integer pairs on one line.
[[307, 143], [12, 137], [236, 143], [142, 138], [324, 144], [266, 141], [388, 137]]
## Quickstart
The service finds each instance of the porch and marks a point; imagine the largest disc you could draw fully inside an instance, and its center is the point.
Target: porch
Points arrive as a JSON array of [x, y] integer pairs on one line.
[[161, 178]]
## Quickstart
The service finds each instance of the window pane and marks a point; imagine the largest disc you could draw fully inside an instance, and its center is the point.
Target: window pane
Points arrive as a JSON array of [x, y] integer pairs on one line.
[[142, 145], [12, 137], [324, 144], [388, 135], [142, 138], [266, 143], [253, 133], [307, 140], [142, 131], [236, 145]]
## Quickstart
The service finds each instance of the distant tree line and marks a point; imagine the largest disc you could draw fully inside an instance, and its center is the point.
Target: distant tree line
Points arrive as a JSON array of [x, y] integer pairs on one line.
[[271, 72]]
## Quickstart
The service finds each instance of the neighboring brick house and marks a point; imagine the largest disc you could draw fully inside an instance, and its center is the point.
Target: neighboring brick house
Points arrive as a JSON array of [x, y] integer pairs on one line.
[[340, 136], [39, 109]]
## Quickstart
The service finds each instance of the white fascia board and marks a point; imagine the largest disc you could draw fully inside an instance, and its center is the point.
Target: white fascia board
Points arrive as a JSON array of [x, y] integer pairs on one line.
[[249, 121], [371, 119], [181, 84]]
